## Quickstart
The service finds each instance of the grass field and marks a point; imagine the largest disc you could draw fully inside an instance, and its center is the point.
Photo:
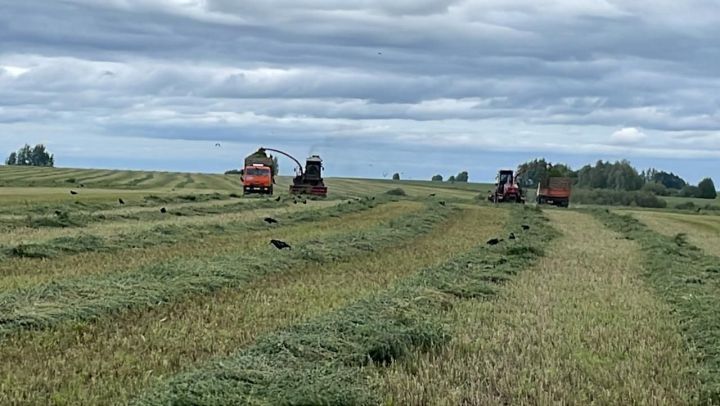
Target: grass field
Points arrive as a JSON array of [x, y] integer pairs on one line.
[[383, 298]]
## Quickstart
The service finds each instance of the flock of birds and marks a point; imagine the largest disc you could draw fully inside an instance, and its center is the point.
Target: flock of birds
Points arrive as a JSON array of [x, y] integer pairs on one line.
[[281, 245], [276, 243], [496, 241]]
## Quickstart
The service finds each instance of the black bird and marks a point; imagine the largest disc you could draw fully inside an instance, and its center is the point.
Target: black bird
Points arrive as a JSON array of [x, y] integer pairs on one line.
[[280, 244], [278, 199], [372, 198], [442, 203], [163, 210], [58, 212], [82, 185], [494, 241], [512, 236], [525, 227], [270, 220], [432, 195], [294, 201], [121, 201], [305, 201], [72, 192]]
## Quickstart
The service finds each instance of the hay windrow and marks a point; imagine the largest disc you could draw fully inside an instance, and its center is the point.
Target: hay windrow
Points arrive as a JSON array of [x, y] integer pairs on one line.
[[685, 278], [321, 361], [86, 298]]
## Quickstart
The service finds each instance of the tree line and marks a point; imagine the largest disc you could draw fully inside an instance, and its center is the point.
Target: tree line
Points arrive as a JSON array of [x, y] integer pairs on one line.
[[460, 177], [31, 156], [619, 175]]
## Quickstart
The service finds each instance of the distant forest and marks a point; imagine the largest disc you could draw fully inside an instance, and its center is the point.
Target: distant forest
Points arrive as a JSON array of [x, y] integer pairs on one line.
[[619, 175]]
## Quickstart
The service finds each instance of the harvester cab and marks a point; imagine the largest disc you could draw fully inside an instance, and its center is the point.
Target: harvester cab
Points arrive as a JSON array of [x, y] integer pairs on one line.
[[310, 181], [507, 188]]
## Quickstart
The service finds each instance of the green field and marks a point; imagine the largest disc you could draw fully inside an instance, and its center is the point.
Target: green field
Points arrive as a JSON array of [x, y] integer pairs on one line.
[[384, 298]]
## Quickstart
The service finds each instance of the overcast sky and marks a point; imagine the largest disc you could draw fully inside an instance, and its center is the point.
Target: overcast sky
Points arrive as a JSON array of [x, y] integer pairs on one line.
[[373, 86]]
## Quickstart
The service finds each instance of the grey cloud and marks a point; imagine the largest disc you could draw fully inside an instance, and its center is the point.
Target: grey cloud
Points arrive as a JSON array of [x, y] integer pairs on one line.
[[363, 70]]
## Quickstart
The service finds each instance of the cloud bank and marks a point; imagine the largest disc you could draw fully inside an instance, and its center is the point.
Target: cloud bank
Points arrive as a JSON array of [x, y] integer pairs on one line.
[[457, 76]]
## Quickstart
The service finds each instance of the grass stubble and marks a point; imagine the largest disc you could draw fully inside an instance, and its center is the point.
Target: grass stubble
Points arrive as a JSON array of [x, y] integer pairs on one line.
[[580, 327], [143, 347], [687, 279], [325, 359], [215, 236]]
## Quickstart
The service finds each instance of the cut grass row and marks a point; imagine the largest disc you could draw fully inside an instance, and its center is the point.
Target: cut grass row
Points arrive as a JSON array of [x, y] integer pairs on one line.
[[84, 212], [689, 281], [322, 361], [702, 231], [144, 347], [106, 223], [220, 219], [33, 177], [95, 296], [580, 327], [222, 235], [94, 201]]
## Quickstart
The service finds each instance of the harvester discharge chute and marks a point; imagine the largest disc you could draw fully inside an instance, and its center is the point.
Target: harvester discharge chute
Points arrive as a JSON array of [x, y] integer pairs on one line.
[[308, 181]]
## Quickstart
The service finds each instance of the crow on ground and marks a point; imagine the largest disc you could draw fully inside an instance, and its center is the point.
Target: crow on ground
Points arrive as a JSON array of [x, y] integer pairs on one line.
[[512, 236], [442, 202], [121, 201], [82, 185], [270, 220], [432, 195], [58, 212], [163, 210], [278, 198], [280, 244], [72, 192], [294, 201], [525, 227], [304, 201], [494, 241]]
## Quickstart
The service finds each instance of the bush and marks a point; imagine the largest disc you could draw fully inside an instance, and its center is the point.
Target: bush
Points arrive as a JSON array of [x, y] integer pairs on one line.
[[656, 188], [396, 192], [689, 191], [685, 206], [706, 189], [437, 178], [617, 198], [645, 199]]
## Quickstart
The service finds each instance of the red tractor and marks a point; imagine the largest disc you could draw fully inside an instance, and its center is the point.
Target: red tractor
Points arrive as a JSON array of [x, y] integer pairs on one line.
[[507, 188]]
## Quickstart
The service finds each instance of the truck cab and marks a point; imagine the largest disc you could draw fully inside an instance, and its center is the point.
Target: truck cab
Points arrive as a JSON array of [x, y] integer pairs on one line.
[[257, 178]]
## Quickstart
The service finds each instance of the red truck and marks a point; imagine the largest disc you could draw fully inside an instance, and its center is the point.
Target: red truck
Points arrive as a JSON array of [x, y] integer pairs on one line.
[[555, 191], [258, 173]]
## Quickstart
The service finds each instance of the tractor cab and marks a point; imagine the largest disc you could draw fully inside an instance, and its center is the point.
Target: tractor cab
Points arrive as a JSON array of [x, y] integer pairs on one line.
[[506, 188]]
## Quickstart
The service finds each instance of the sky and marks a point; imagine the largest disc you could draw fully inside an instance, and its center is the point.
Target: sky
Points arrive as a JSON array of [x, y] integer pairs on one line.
[[375, 87]]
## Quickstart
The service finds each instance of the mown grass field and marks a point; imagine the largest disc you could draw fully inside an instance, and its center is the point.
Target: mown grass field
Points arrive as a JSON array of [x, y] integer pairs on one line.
[[384, 298]]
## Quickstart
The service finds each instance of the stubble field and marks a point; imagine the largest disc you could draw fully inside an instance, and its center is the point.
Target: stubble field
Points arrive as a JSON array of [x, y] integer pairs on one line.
[[384, 298]]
